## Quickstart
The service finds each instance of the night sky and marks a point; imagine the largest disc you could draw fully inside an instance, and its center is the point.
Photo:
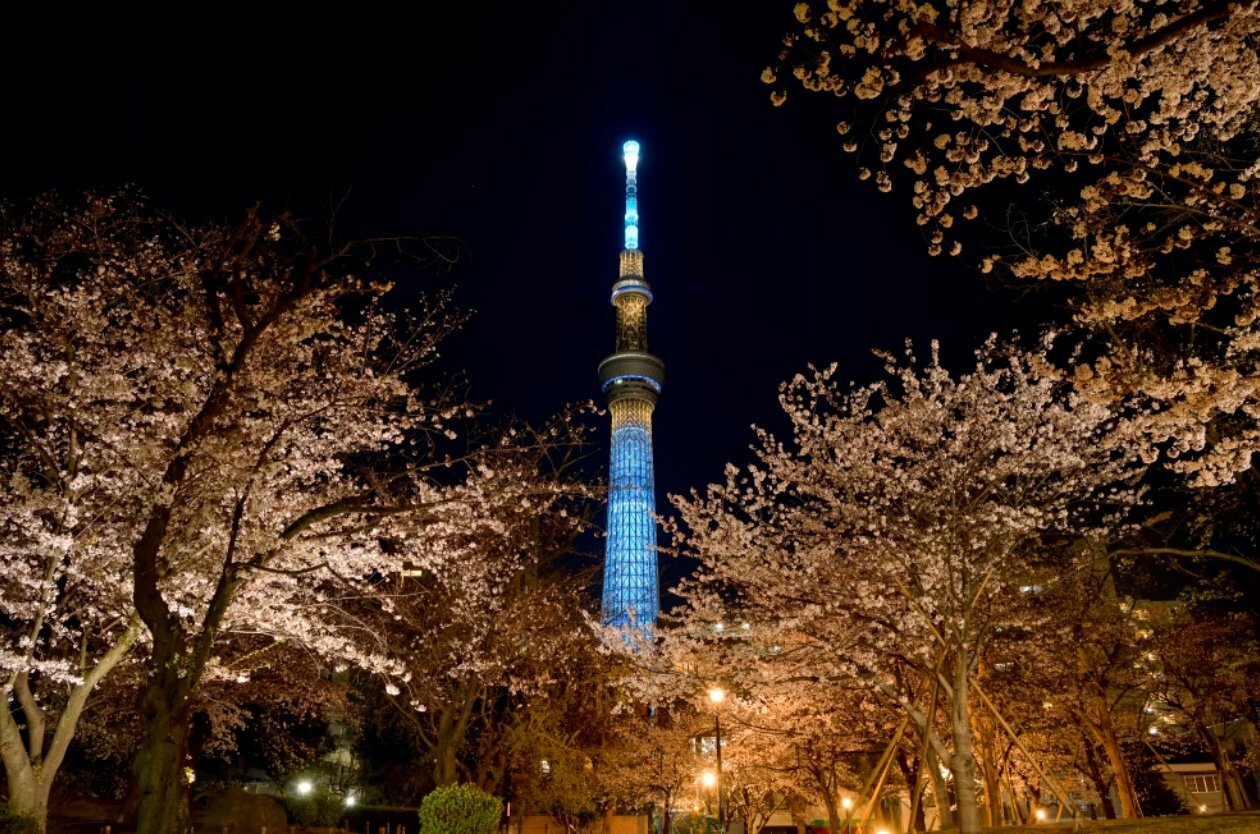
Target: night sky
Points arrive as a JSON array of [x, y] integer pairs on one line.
[[502, 125]]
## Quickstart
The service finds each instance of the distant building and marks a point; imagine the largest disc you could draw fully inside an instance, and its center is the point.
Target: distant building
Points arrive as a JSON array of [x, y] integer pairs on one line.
[[1197, 783]]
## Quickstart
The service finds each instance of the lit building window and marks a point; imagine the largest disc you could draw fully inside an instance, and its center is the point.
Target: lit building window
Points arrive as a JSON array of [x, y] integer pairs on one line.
[[1202, 783]]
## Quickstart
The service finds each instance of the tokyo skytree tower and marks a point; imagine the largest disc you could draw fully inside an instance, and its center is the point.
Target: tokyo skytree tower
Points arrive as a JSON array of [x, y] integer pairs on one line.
[[631, 379]]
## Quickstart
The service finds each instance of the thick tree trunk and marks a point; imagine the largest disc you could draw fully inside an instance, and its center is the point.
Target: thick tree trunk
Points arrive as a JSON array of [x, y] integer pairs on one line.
[[31, 766], [1130, 808], [452, 732], [990, 771], [1101, 785], [1231, 784], [834, 821], [963, 764], [160, 762], [28, 796], [796, 807], [940, 792]]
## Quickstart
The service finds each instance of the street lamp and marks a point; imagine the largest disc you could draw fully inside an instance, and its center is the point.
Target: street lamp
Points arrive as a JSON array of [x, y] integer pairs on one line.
[[1040, 814], [716, 696], [846, 804], [708, 778]]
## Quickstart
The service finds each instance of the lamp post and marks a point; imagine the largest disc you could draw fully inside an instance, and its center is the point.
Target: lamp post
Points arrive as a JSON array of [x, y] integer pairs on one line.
[[716, 696], [847, 805]]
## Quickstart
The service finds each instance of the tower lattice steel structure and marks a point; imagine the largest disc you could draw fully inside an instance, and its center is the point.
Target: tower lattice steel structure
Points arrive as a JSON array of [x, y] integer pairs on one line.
[[631, 378]]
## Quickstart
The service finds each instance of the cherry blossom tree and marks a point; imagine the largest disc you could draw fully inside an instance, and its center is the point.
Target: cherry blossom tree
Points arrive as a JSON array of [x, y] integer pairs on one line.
[[269, 706], [483, 644], [788, 729], [1081, 678], [1135, 122], [75, 415], [649, 760], [217, 430], [895, 527], [1205, 656]]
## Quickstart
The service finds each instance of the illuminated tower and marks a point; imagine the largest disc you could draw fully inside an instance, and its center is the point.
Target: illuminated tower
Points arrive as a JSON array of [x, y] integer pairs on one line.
[[631, 379]]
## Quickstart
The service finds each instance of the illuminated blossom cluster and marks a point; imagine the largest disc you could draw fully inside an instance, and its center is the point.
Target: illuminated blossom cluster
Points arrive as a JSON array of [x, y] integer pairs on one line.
[[1137, 122]]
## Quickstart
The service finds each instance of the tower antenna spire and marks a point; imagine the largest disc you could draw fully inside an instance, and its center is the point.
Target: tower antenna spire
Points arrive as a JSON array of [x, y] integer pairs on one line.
[[631, 379], [630, 152]]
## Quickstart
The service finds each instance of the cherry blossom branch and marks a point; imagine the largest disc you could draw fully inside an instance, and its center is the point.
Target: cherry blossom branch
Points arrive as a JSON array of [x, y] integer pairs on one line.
[[1189, 554], [992, 59]]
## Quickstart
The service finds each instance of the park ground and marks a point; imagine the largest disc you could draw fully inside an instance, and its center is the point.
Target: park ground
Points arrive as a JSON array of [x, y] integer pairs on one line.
[[85, 817], [1248, 823]]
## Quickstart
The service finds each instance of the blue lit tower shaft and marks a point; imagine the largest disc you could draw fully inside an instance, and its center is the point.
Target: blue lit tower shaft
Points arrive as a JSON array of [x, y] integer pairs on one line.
[[631, 379]]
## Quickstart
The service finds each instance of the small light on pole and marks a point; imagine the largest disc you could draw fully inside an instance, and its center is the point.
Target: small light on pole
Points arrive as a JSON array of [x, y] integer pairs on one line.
[[350, 800], [1040, 814], [716, 696], [304, 787], [708, 778], [846, 805]]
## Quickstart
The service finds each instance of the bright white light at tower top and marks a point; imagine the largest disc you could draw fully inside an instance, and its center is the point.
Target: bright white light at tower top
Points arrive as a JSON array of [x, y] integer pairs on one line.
[[631, 150]]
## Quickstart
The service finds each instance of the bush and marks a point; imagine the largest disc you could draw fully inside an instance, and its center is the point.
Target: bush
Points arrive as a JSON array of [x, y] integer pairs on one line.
[[460, 809], [319, 808]]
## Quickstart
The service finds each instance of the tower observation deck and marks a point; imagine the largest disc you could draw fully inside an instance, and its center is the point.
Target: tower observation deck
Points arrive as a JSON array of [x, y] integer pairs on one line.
[[631, 379]]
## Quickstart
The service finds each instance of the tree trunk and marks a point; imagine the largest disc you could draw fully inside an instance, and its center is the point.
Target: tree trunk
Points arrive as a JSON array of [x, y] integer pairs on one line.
[[834, 821], [31, 767], [451, 734], [1101, 785], [163, 807], [28, 796], [1231, 784], [940, 791], [963, 764], [912, 773], [989, 770], [1130, 808], [796, 806], [1017, 813]]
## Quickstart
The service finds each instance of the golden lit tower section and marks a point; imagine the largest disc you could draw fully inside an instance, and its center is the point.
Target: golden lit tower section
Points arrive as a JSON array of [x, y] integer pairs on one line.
[[631, 379]]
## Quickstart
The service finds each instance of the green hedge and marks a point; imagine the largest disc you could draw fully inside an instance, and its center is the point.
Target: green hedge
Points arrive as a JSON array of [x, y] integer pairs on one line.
[[460, 809]]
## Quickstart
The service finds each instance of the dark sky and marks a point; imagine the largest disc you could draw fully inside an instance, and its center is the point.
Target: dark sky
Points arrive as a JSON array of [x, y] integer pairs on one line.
[[502, 125]]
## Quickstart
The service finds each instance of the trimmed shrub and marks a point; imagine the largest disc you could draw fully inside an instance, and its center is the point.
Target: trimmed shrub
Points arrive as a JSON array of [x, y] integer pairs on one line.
[[460, 809], [319, 808]]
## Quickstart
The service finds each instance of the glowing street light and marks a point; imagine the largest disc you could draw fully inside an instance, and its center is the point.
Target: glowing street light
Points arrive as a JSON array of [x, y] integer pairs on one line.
[[304, 787], [717, 695], [1040, 814], [351, 800], [708, 778], [846, 805]]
